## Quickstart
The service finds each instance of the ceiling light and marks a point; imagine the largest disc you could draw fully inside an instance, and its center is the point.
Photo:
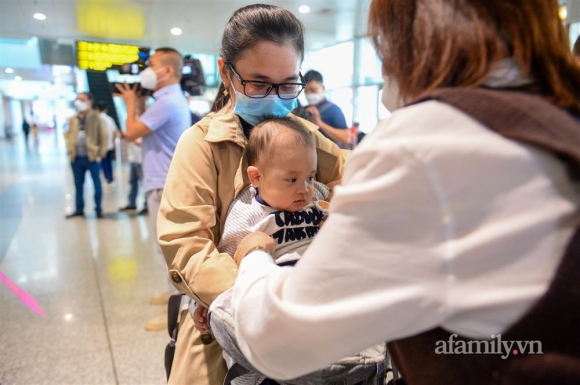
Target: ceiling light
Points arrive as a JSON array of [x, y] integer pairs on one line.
[[39, 16], [8, 70], [304, 9], [563, 12], [176, 31], [18, 78]]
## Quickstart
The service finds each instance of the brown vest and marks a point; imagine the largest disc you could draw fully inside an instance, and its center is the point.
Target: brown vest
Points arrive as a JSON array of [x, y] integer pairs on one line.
[[554, 320]]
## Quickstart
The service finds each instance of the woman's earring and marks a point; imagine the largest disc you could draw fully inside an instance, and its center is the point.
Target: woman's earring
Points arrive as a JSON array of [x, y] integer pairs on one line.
[[226, 93]]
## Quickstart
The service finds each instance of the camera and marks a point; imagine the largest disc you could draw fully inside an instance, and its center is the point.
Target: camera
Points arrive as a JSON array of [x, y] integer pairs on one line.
[[130, 69], [135, 67], [192, 76], [302, 112]]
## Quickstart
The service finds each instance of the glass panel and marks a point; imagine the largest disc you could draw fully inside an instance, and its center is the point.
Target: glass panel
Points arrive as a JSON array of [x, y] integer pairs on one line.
[[369, 64], [343, 97], [367, 107], [209, 65], [574, 32], [336, 64], [383, 112]]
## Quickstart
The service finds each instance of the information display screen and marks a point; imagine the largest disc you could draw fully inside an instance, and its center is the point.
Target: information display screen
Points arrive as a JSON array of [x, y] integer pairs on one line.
[[102, 56]]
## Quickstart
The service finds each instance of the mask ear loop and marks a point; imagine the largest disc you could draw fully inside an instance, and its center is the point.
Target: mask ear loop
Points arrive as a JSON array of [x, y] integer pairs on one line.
[[226, 92], [162, 77]]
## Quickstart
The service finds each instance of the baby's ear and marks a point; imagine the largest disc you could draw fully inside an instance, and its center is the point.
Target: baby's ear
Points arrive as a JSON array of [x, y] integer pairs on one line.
[[254, 175]]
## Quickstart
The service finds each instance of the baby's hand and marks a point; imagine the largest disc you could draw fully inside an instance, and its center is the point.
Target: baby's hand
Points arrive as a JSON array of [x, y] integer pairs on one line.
[[200, 319], [252, 241]]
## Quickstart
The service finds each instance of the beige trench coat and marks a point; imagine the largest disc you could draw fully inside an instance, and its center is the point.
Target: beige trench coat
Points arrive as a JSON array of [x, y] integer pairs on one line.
[[207, 172]]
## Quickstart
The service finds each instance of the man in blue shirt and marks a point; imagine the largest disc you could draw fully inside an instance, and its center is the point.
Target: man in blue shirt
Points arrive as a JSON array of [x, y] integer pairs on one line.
[[160, 126], [325, 114]]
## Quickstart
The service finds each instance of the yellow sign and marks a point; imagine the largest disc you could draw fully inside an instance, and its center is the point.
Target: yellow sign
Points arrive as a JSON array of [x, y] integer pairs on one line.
[[111, 19], [101, 56]]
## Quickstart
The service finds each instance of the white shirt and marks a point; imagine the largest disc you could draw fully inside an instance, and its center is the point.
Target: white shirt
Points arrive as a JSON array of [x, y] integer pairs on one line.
[[112, 127], [439, 222], [134, 153]]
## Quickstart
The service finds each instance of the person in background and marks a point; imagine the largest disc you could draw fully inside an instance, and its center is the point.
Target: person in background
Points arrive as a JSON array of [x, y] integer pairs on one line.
[[160, 126], [457, 218], [135, 158], [107, 162], [357, 134], [261, 53], [25, 130], [325, 114], [87, 143], [35, 132]]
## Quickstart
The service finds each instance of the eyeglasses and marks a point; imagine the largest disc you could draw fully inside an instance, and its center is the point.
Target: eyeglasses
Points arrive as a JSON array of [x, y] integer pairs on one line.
[[258, 90]]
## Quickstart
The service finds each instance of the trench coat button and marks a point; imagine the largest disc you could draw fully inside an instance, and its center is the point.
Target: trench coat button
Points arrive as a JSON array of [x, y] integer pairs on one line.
[[175, 277]]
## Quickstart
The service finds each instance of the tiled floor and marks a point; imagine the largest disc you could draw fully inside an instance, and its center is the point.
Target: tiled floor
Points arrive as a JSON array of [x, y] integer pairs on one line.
[[92, 278]]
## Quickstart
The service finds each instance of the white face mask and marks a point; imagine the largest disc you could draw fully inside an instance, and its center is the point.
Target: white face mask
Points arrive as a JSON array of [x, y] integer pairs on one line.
[[391, 95], [149, 78], [80, 105], [313, 99]]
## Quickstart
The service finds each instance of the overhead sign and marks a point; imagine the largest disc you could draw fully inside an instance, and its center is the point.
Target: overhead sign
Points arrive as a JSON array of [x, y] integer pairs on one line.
[[102, 56], [111, 19]]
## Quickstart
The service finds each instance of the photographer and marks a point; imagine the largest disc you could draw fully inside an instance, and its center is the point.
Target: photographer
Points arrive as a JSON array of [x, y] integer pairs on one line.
[[325, 114], [160, 126]]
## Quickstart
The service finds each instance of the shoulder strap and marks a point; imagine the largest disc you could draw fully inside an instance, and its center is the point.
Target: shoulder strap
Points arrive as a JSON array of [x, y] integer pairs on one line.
[[235, 371], [519, 116], [325, 106]]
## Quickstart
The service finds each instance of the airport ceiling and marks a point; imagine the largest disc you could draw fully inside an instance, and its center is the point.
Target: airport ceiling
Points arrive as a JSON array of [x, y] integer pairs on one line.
[[149, 22]]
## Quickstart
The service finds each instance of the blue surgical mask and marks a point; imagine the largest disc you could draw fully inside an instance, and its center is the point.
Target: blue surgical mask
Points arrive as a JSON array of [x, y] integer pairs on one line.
[[253, 110]]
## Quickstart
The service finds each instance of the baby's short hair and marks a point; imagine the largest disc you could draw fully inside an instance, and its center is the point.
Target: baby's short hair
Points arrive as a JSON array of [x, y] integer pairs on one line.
[[272, 131]]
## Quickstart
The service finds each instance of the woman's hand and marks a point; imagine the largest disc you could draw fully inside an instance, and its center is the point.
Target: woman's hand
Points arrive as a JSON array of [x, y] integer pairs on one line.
[[251, 241]]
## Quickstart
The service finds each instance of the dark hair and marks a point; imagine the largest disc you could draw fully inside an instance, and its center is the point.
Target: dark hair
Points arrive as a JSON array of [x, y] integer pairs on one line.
[[101, 105], [576, 49], [423, 44], [252, 25], [172, 57], [90, 95], [265, 135], [313, 75]]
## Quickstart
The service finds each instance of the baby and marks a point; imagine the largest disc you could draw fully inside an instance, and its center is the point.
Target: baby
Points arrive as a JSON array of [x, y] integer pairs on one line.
[[282, 200]]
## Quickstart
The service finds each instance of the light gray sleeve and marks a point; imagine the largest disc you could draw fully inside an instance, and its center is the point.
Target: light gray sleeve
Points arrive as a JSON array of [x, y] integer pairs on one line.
[[321, 192], [244, 212]]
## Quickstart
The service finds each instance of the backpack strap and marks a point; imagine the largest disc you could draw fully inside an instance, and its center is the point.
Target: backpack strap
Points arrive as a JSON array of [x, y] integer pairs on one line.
[[325, 106], [235, 371], [516, 115], [173, 311]]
